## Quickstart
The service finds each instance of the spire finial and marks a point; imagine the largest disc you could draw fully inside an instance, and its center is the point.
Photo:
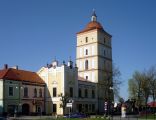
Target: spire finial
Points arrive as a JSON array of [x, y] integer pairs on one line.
[[94, 17]]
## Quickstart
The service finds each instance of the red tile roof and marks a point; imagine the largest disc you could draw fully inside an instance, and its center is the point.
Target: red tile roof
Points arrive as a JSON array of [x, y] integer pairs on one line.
[[20, 75], [92, 25]]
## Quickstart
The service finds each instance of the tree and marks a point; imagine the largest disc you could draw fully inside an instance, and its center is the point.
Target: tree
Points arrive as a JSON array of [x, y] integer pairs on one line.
[[152, 77], [64, 100], [139, 87], [116, 79]]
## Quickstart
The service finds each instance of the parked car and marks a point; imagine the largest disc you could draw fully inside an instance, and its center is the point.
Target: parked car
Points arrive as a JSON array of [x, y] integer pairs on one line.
[[75, 115]]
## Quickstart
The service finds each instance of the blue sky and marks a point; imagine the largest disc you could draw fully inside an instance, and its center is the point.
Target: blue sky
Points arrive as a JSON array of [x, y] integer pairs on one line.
[[34, 32]]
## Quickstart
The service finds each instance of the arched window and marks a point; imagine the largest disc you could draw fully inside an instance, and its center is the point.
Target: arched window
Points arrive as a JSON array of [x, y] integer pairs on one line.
[[35, 92], [40, 92], [25, 92], [86, 65]]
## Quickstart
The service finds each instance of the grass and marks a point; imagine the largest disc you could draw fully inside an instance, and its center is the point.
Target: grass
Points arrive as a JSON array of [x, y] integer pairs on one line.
[[151, 116], [73, 119]]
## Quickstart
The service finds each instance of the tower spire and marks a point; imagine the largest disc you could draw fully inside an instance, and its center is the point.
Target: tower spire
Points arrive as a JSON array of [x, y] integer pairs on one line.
[[94, 17]]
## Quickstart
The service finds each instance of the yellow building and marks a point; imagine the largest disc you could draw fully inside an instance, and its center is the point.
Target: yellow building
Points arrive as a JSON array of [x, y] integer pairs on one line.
[[94, 58], [59, 79]]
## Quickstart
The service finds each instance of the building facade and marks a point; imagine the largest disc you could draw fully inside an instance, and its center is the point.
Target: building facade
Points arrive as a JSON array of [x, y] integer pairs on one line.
[[63, 79], [21, 92], [59, 79]]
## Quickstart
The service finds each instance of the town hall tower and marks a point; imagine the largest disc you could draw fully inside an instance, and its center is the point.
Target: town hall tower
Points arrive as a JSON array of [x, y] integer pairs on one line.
[[94, 58]]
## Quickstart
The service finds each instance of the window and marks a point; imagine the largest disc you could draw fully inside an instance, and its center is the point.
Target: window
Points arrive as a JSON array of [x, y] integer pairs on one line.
[[86, 39], [104, 52], [25, 92], [80, 93], [80, 52], [86, 93], [86, 107], [93, 107], [71, 92], [54, 108], [11, 91], [93, 94], [35, 92], [40, 92], [86, 51], [54, 92], [86, 65], [104, 40]]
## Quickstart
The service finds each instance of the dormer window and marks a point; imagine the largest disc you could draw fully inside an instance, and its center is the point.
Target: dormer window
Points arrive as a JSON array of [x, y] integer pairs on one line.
[[86, 39]]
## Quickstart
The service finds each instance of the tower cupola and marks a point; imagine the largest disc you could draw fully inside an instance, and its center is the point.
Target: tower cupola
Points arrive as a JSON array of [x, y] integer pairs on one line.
[[94, 17]]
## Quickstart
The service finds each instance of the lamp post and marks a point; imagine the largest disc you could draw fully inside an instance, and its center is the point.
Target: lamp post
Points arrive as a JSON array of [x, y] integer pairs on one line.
[[108, 98], [110, 89]]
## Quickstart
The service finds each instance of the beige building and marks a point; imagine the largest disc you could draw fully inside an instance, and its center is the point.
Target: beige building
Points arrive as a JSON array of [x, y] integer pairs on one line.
[[59, 79], [94, 58], [64, 79]]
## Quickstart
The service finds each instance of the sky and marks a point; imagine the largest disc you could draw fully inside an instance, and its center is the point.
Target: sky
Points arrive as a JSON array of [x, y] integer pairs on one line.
[[35, 32]]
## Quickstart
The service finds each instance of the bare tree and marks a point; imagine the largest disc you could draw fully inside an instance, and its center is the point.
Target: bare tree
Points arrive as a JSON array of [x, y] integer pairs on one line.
[[135, 87], [64, 100], [151, 73], [116, 79]]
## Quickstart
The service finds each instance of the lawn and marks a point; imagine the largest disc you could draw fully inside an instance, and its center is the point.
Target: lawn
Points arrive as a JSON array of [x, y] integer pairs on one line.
[[74, 119], [151, 116]]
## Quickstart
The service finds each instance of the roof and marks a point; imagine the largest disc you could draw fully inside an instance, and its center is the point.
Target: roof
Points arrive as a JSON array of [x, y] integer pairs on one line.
[[20, 75], [91, 26], [81, 79]]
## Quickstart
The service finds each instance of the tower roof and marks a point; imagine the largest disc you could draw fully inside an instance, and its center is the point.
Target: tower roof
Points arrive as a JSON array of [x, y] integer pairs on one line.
[[93, 24]]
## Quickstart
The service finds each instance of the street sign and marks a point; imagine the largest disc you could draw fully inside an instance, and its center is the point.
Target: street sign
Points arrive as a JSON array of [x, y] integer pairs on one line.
[[69, 105]]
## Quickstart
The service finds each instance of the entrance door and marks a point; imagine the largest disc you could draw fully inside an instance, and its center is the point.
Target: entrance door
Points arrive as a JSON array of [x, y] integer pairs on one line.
[[25, 109]]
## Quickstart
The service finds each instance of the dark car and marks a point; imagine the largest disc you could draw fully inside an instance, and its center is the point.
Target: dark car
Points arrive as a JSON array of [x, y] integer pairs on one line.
[[75, 115]]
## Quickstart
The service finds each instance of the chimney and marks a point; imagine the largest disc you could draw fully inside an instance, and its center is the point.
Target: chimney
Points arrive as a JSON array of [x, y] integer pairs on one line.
[[5, 66]]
